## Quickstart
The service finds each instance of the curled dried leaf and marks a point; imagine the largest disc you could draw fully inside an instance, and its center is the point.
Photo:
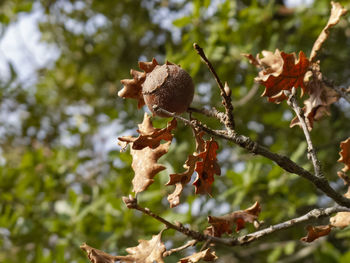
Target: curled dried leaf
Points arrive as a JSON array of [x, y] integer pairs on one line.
[[207, 168], [96, 255], [144, 163], [133, 87], [148, 251], [344, 177], [321, 97], [149, 136], [280, 71], [345, 154], [342, 219], [224, 224], [181, 179], [315, 232], [336, 13], [206, 255]]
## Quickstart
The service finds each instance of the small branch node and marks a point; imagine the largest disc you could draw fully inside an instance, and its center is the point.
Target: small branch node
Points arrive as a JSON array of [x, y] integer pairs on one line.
[[130, 202]]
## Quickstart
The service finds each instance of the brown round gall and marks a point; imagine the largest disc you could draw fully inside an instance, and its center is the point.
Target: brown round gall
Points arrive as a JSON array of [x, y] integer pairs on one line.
[[169, 87]]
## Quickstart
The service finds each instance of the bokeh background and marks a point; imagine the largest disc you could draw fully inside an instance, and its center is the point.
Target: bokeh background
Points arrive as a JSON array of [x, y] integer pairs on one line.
[[61, 173]]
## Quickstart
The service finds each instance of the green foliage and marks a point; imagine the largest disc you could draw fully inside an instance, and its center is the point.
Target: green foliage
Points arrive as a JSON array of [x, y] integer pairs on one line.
[[56, 195]]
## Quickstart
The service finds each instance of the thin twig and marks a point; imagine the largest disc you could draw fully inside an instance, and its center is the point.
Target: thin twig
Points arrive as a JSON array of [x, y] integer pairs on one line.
[[206, 244], [302, 253], [243, 101], [225, 90], [189, 243], [311, 150], [131, 203], [213, 112], [341, 90], [316, 213], [283, 161]]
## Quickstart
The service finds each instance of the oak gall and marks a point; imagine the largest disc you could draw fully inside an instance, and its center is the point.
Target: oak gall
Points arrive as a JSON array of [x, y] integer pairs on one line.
[[169, 87]]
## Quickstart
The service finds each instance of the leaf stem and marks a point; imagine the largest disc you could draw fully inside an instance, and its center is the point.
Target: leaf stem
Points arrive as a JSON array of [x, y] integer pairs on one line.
[[225, 91], [189, 243]]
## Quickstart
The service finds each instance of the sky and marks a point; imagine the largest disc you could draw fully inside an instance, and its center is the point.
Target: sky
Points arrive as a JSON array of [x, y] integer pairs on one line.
[[22, 47]]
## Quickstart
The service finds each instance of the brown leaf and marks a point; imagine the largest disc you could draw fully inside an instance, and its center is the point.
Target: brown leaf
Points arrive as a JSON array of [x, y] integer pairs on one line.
[[145, 165], [321, 97], [280, 71], [336, 13], [224, 224], [341, 220], [148, 251], [315, 232], [207, 168], [344, 177], [149, 136], [206, 255], [345, 154], [132, 87], [97, 256], [181, 179]]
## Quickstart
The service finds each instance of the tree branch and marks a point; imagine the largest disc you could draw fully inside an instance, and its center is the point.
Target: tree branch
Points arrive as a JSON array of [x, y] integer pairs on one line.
[[255, 148], [225, 90], [292, 102], [316, 213], [131, 203], [213, 113]]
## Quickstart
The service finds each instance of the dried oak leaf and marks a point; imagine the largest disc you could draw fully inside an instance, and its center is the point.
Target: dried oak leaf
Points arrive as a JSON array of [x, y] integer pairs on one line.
[[132, 87], [315, 232], [341, 219], [149, 136], [206, 168], [148, 251], [181, 179], [206, 255], [145, 166], [345, 154], [97, 256], [344, 177], [336, 13], [280, 71], [321, 97], [224, 224]]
